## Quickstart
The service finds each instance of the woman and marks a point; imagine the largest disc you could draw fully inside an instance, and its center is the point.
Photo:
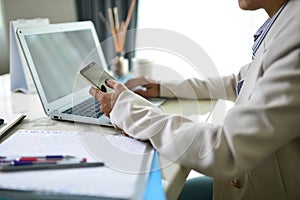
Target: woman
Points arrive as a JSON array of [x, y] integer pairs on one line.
[[255, 154]]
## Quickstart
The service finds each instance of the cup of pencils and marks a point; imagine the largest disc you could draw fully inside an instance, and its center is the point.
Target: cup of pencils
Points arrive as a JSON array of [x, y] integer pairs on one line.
[[118, 30]]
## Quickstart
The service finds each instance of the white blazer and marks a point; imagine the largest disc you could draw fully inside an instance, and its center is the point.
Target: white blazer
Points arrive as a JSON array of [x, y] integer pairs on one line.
[[256, 153]]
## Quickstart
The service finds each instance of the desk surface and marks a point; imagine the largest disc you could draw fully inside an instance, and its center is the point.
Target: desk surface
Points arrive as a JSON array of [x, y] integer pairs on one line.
[[173, 174]]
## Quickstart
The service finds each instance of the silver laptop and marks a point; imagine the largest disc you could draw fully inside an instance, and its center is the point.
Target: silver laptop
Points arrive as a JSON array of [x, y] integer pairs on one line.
[[55, 53]]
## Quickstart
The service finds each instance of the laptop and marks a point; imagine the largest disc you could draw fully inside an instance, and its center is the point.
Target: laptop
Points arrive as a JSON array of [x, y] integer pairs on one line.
[[55, 53]]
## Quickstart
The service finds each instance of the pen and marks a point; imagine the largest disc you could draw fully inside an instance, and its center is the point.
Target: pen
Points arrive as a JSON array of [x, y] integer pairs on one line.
[[13, 168], [40, 162], [43, 162], [36, 158], [50, 157]]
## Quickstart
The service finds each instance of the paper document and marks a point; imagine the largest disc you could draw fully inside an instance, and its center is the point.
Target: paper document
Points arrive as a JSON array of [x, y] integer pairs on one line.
[[118, 179]]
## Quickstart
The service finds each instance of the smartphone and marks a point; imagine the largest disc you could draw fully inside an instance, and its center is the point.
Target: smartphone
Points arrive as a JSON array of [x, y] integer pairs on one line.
[[96, 76]]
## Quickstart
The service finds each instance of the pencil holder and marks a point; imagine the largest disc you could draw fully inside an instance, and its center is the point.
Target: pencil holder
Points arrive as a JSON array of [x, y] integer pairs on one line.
[[119, 66]]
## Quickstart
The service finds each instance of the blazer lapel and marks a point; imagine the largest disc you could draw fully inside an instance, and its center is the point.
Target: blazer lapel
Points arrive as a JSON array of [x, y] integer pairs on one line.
[[283, 19], [252, 75]]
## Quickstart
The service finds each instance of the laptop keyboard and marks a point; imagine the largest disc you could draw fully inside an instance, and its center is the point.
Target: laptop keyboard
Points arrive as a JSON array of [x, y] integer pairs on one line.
[[88, 108]]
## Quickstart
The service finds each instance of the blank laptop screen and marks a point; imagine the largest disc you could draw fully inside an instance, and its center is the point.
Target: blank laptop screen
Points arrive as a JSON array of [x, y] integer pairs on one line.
[[57, 58]]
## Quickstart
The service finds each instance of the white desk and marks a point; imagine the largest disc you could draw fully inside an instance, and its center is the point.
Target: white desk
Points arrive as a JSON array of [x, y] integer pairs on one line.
[[29, 104]]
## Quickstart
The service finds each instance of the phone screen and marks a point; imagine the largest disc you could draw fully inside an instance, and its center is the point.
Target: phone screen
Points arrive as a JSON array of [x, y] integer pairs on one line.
[[94, 74]]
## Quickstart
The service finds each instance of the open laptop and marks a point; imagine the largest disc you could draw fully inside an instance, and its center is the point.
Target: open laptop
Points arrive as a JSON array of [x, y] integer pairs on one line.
[[55, 53]]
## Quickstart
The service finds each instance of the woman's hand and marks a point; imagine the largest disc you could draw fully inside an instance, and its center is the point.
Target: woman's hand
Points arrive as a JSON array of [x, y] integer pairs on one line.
[[144, 86], [108, 100]]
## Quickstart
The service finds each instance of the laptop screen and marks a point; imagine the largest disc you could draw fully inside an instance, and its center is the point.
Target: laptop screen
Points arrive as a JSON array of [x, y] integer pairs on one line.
[[58, 57]]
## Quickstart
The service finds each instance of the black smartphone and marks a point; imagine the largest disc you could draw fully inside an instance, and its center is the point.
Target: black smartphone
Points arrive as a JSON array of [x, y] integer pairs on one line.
[[96, 76]]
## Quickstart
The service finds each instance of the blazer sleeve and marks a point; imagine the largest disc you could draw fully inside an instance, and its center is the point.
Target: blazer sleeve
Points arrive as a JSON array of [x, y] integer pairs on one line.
[[252, 130], [211, 88]]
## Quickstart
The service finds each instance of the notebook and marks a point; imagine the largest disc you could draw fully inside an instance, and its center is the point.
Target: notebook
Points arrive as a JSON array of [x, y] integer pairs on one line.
[[54, 54], [10, 121], [117, 179]]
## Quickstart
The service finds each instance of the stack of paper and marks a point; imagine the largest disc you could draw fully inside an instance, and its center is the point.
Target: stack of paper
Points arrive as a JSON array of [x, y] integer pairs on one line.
[[127, 165]]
